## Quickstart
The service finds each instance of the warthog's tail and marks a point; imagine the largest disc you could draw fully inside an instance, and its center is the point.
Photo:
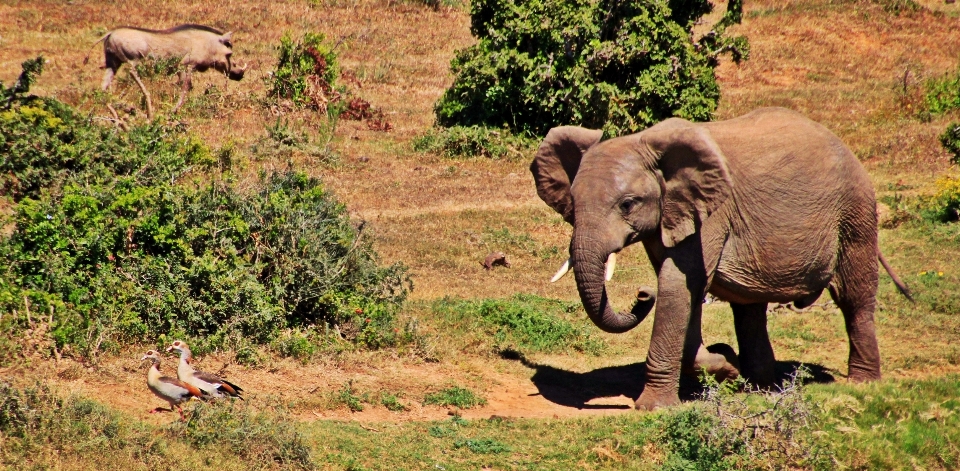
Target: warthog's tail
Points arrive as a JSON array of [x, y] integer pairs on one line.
[[105, 36], [896, 280]]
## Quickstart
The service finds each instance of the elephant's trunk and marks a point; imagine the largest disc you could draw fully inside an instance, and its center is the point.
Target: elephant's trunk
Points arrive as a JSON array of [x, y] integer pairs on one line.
[[589, 261]]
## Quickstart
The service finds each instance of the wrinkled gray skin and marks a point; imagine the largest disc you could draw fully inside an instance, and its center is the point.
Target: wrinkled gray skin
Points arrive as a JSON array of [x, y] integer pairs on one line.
[[199, 47], [769, 207]]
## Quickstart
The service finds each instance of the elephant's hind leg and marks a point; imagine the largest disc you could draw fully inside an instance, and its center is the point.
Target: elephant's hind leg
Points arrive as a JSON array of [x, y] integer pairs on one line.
[[757, 363], [854, 289]]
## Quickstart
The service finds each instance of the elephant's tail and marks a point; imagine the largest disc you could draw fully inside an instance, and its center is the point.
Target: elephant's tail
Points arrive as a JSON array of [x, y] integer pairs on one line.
[[896, 279]]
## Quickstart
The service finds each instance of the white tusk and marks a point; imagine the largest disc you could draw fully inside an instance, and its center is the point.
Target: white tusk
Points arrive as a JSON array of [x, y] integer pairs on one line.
[[562, 271], [611, 264]]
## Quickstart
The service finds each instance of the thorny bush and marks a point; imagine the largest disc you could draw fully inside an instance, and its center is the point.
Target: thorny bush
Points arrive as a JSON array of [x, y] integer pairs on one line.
[[619, 66]]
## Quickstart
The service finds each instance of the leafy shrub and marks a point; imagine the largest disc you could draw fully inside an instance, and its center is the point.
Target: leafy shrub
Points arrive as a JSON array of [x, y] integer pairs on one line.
[[352, 399], [951, 141], [731, 430], [943, 94], [526, 323], [618, 66], [944, 205], [118, 234], [30, 70], [454, 396], [392, 402], [306, 72], [472, 141], [44, 142]]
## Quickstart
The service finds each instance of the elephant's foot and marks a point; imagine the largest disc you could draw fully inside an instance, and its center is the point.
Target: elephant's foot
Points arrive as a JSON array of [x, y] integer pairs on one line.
[[863, 375], [651, 399], [718, 360], [759, 367]]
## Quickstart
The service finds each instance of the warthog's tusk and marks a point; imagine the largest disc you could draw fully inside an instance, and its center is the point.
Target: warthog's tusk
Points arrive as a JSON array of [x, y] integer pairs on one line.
[[562, 271], [244, 66], [611, 264], [608, 274]]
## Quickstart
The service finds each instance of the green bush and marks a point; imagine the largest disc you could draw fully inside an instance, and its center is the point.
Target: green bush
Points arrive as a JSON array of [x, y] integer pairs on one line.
[[306, 72], [943, 94], [944, 205], [617, 66], [951, 141], [125, 240]]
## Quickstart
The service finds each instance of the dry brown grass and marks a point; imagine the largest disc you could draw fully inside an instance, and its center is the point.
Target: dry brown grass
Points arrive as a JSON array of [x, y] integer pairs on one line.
[[842, 63]]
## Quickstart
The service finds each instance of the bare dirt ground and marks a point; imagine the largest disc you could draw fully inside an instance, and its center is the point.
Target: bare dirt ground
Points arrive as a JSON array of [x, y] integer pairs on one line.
[[848, 65]]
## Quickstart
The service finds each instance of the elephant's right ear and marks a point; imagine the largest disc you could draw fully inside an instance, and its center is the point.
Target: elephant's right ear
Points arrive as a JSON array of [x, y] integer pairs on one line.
[[557, 162]]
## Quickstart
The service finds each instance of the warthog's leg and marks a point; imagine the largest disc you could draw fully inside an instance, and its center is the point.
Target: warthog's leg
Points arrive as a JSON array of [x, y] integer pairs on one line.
[[107, 78], [186, 83], [136, 76], [111, 66]]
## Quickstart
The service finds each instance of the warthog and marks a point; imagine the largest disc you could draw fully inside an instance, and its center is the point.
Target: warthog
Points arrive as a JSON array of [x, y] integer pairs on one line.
[[198, 47]]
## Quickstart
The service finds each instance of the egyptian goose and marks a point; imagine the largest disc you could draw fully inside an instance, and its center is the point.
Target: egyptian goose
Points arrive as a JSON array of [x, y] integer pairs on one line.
[[169, 389], [211, 384]]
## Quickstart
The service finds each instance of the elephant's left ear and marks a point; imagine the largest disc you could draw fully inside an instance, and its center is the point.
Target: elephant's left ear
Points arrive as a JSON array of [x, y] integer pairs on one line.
[[696, 178]]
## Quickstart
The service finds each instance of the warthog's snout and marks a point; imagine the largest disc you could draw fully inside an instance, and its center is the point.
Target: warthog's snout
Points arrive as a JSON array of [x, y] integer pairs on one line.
[[236, 73]]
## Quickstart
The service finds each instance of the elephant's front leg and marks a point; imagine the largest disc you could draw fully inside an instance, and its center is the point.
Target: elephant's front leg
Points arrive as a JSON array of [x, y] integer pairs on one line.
[[682, 283]]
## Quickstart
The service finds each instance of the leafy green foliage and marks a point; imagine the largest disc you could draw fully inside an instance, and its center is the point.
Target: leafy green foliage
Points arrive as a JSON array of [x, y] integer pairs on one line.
[[526, 323], [117, 234], [944, 205], [943, 94], [350, 398], [897, 7], [30, 70], [392, 402], [951, 141], [618, 66], [472, 141], [482, 445], [306, 72], [454, 396]]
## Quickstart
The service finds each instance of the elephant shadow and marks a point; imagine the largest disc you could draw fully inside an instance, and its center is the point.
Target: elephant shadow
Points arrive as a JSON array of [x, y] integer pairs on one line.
[[572, 389]]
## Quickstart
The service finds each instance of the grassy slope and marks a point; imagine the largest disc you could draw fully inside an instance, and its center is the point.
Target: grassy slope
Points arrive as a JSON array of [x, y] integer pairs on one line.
[[844, 64]]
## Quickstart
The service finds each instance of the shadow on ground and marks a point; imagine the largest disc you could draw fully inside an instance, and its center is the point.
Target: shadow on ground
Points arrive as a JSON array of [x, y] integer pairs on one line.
[[572, 389]]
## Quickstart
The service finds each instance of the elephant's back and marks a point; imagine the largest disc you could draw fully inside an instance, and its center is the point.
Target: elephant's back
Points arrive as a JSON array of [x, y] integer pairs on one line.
[[797, 190]]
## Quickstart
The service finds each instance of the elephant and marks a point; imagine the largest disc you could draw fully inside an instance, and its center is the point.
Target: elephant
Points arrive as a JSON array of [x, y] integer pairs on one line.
[[768, 207]]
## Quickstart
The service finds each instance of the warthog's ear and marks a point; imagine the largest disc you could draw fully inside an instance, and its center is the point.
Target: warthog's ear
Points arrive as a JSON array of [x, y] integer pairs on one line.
[[225, 39]]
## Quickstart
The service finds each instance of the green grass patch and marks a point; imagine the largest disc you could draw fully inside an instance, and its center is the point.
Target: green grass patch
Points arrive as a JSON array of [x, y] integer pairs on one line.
[[88, 435], [524, 323], [474, 141], [455, 396]]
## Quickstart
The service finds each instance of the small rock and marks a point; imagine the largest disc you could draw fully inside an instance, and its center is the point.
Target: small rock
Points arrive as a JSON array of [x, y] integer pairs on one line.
[[495, 259]]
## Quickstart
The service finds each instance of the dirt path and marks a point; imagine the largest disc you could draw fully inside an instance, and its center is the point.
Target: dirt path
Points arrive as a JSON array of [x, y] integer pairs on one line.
[[511, 390]]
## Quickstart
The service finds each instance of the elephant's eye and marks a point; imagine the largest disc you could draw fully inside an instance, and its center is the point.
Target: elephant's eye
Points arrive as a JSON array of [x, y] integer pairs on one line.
[[628, 205]]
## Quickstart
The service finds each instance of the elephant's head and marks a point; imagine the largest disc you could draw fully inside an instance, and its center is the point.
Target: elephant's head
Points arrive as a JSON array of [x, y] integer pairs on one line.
[[657, 185]]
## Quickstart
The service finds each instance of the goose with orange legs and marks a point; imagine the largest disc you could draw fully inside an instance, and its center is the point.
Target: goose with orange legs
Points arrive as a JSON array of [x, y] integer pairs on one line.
[[169, 389], [209, 383]]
